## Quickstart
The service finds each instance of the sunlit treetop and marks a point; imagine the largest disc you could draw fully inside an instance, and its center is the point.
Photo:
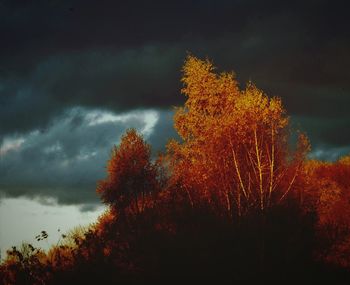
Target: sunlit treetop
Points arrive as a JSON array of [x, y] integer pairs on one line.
[[131, 174], [214, 99], [235, 143]]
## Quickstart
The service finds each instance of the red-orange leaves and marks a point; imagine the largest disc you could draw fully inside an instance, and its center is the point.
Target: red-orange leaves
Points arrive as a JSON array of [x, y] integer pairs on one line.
[[131, 175], [234, 154]]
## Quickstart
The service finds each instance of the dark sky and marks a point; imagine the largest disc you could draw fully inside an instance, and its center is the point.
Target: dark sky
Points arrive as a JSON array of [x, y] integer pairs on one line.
[[75, 74]]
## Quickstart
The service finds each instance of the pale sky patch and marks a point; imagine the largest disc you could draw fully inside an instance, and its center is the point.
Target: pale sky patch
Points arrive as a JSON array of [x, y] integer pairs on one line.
[[11, 144], [21, 219]]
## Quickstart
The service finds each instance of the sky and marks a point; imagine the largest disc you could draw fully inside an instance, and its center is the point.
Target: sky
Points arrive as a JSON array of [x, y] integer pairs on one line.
[[74, 75]]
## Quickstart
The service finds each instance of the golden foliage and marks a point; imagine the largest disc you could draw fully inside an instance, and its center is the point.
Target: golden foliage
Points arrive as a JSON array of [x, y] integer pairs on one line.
[[234, 153]]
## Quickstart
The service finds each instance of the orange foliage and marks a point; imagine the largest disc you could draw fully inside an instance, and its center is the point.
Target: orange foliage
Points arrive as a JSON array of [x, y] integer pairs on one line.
[[329, 189], [131, 175], [234, 154]]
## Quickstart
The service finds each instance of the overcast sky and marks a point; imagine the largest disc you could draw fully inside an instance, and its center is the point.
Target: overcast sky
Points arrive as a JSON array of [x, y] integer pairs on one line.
[[74, 75]]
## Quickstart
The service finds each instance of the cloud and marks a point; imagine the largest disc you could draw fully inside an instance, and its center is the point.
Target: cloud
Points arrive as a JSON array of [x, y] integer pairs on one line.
[[329, 132], [328, 153], [66, 159], [118, 81], [92, 207], [149, 77], [124, 56], [163, 130]]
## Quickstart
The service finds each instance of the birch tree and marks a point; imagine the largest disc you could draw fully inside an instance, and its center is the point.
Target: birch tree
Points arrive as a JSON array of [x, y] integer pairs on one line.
[[234, 154]]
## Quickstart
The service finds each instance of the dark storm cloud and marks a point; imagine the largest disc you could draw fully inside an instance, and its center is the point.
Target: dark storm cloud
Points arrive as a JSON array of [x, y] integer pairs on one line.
[[115, 80], [148, 77], [163, 131], [332, 131], [66, 159], [329, 137], [125, 55]]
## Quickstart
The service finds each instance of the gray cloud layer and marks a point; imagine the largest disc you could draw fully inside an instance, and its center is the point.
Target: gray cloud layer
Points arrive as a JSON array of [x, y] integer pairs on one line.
[[104, 79], [66, 159], [122, 56]]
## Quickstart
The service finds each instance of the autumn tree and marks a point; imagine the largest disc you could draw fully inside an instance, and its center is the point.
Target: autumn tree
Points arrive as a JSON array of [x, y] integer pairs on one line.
[[328, 189], [132, 177], [234, 153]]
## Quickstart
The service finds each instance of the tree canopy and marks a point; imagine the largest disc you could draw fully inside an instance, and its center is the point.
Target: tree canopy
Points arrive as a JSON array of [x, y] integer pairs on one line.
[[235, 149], [131, 174]]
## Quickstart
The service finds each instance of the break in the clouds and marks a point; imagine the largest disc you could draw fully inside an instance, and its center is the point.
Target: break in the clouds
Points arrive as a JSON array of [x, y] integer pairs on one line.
[[66, 159], [74, 73]]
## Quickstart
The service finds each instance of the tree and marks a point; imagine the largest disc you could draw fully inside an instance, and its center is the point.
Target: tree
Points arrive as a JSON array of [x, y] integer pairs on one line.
[[234, 153], [328, 185], [131, 175]]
